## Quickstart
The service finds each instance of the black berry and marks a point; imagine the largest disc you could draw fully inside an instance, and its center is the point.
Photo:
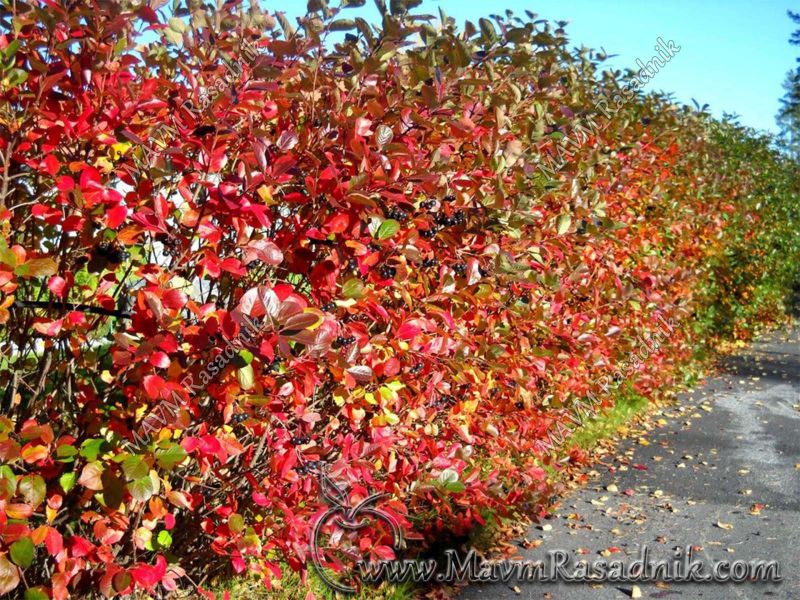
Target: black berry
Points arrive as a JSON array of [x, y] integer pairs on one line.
[[429, 233], [387, 272]]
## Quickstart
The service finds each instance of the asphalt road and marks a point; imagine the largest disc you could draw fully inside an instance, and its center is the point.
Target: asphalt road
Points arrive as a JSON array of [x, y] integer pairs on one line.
[[722, 475]]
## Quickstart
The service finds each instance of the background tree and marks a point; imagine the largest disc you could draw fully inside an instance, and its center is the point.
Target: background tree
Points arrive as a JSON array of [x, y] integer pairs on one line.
[[789, 114]]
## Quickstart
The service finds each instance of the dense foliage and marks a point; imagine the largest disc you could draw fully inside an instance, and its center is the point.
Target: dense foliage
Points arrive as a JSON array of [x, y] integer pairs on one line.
[[408, 250]]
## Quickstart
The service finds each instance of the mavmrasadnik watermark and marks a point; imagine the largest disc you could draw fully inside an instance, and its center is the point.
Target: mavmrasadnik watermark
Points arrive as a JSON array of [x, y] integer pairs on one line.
[[558, 566]]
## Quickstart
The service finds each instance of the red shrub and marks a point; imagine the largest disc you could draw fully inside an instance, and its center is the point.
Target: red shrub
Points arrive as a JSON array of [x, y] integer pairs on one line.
[[368, 250]]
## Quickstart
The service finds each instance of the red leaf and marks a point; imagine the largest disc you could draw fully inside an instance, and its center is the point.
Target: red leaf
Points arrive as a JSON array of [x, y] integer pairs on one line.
[[51, 164], [363, 126], [57, 285], [174, 299], [409, 330], [153, 384], [53, 541], [147, 576], [116, 216], [160, 360]]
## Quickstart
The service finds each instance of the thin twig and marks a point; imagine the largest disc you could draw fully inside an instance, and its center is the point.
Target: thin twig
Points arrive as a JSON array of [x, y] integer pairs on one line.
[[87, 308]]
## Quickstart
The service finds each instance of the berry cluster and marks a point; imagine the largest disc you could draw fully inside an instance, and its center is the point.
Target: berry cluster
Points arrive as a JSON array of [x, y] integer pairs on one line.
[[309, 467], [387, 272], [428, 204], [330, 306], [429, 263], [397, 214], [239, 417], [445, 400], [171, 246], [352, 265], [416, 368], [429, 233], [342, 341], [458, 218], [299, 440], [112, 253], [460, 269]]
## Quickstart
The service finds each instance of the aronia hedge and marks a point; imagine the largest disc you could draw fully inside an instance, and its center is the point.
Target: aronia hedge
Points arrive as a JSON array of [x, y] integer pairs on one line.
[[234, 245]]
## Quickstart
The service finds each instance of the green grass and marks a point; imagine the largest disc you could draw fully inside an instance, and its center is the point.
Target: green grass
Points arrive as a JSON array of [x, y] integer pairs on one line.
[[606, 424], [292, 588]]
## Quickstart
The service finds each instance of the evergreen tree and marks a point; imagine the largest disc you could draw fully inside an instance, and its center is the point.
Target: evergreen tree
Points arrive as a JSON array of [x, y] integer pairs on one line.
[[789, 114]]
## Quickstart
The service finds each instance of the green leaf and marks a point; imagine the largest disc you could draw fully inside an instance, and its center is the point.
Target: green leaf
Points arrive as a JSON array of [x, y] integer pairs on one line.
[[173, 36], [164, 539], [33, 489], [65, 453], [455, 486], [67, 481], [22, 552], [487, 30], [342, 25], [387, 229], [35, 594], [564, 222], [8, 482], [353, 288], [236, 522], [16, 77], [244, 358], [90, 449], [142, 489], [7, 257], [177, 24], [168, 457], [134, 467], [246, 377], [121, 44], [11, 50]]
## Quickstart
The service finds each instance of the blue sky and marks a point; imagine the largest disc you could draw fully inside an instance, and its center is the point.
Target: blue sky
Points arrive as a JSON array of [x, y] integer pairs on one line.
[[734, 53]]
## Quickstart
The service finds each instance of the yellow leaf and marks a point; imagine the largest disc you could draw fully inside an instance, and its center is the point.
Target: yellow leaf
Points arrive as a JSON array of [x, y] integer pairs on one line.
[[104, 165], [119, 149], [265, 193], [37, 267]]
